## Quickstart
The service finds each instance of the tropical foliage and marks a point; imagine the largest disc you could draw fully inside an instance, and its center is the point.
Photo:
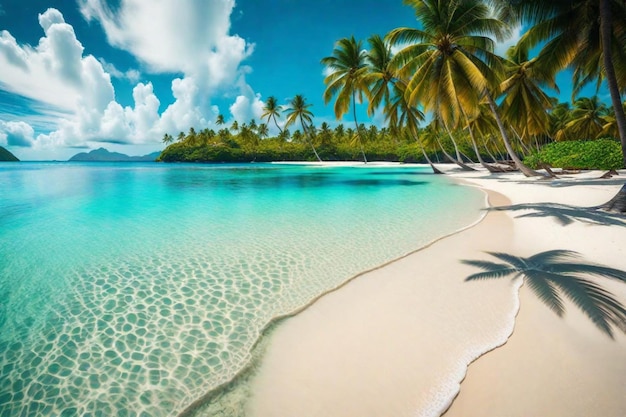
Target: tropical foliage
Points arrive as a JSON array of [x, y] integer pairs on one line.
[[597, 154], [479, 106]]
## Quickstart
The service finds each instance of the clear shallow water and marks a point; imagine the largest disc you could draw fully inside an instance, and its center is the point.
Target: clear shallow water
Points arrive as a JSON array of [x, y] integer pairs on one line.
[[136, 288]]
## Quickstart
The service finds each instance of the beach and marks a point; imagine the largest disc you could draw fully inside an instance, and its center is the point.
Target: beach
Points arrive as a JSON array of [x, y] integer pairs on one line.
[[414, 338]]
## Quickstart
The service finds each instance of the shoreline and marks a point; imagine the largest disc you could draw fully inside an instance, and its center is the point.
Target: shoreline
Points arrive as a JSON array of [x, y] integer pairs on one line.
[[233, 387], [313, 350]]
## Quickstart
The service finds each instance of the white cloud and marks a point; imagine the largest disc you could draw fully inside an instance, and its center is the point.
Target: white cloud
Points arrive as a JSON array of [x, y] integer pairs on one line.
[[132, 75], [173, 36], [16, 134], [191, 38]]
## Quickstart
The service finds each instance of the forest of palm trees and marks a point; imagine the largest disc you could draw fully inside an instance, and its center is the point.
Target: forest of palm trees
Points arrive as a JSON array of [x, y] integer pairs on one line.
[[446, 96]]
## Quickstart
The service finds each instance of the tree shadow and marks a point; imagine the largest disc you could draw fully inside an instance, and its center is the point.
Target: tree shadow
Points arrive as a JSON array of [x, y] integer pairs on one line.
[[557, 273], [566, 215]]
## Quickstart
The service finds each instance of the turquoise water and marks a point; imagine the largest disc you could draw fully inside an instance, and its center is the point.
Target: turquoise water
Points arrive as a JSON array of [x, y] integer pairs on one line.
[[134, 289]]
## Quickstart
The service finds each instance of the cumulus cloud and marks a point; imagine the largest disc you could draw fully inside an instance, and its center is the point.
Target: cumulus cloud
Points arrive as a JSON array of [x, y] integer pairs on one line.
[[173, 36], [190, 38], [132, 75], [16, 134]]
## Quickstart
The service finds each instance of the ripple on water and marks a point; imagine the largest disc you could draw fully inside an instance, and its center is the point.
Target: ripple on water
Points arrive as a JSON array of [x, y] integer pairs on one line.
[[147, 332]]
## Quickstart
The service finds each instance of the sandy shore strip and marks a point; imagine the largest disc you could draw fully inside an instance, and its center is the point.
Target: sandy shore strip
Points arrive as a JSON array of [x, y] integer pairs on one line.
[[396, 341]]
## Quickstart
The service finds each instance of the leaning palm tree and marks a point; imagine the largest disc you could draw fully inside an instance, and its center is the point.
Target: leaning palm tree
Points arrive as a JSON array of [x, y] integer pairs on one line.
[[347, 67], [298, 111], [271, 111], [399, 115], [553, 274], [451, 62]]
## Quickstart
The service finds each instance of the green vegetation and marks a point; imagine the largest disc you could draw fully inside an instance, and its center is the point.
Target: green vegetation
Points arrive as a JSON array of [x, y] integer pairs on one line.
[[330, 145], [596, 154], [496, 110], [6, 156]]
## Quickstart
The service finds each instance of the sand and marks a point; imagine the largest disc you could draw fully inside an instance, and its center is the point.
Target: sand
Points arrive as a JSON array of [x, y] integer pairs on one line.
[[397, 341]]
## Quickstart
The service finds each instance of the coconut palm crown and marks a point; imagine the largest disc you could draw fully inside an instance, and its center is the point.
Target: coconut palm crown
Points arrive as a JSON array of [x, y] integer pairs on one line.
[[347, 68], [450, 62], [272, 110]]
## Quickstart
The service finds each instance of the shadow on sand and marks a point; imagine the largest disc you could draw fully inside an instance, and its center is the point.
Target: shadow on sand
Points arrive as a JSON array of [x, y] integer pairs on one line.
[[566, 215], [555, 274]]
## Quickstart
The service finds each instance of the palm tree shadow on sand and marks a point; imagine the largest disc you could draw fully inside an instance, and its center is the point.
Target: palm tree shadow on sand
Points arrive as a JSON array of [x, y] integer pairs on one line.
[[555, 274], [566, 215]]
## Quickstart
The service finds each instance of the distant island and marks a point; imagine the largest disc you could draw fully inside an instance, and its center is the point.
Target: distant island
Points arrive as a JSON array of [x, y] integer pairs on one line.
[[102, 155], [6, 156]]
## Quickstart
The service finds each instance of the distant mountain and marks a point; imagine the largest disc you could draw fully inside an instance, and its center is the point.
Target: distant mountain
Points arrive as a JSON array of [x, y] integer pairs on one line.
[[6, 156], [102, 155]]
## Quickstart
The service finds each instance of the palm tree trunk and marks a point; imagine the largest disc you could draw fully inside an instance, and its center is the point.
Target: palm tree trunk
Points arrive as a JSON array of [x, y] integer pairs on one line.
[[505, 138], [276, 123], [488, 167], [617, 204], [306, 135], [456, 148], [491, 155], [468, 158], [459, 162], [419, 143], [356, 124], [432, 166], [450, 158], [609, 70], [524, 147]]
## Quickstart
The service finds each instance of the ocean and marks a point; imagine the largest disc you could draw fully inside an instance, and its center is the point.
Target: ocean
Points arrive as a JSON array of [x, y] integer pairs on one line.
[[133, 289]]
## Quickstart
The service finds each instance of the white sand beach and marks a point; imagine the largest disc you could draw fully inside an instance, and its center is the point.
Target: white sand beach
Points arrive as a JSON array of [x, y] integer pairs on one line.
[[396, 341]]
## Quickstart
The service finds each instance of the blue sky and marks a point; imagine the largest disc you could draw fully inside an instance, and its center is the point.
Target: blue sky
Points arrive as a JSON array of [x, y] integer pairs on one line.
[[80, 74]]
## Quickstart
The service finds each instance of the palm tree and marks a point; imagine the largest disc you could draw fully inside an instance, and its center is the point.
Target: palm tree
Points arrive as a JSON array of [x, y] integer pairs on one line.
[[525, 105], [450, 63], [586, 35], [220, 120], [272, 110], [252, 125], [559, 117], [340, 132], [380, 74], [558, 273], [283, 137], [587, 118], [399, 114], [325, 134], [263, 131], [167, 139], [609, 127], [234, 126], [298, 111], [347, 66]]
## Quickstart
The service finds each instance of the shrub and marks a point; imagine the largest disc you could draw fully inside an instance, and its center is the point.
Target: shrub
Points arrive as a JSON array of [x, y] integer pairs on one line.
[[596, 154]]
